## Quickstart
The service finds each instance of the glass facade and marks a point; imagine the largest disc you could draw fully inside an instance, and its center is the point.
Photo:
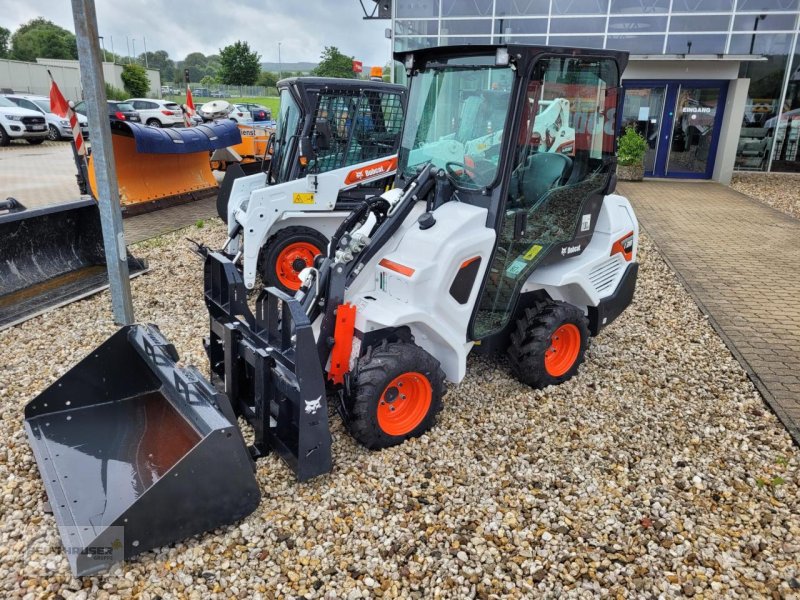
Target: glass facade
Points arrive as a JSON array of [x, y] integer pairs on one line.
[[769, 28]]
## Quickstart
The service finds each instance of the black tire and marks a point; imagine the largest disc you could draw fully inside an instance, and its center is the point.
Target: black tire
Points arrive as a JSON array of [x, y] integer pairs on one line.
[[4, 139], [36, 142], [53, 134], [370, 390], [534, 338], [277, 244], [154, 123]]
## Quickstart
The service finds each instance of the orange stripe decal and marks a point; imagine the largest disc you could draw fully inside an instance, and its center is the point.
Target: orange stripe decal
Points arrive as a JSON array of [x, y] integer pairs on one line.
[[380, 168], [397, 267], [468, 262], [342, 342]]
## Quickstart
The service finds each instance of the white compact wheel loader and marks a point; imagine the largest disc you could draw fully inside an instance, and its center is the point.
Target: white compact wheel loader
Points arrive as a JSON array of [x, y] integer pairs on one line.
[[496, 245], [335, 144]]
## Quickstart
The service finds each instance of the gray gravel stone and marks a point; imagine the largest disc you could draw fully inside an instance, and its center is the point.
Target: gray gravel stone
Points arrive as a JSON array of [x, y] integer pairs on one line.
[[582, 490]]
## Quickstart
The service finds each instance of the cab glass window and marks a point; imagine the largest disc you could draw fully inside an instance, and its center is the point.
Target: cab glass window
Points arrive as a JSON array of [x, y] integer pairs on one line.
[[563, 158]]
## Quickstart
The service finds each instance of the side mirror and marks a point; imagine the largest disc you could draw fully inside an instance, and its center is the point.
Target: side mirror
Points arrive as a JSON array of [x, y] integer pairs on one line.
[[322, 134]]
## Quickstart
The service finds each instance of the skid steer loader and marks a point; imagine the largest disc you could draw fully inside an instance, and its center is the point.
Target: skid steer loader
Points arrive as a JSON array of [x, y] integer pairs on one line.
[[335, 144], [500, 246]]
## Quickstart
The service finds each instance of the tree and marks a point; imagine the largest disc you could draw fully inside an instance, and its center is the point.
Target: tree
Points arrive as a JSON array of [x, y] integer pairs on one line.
[[334, 64], [135, 80], [239, 65], [267, 79], [196, 63], [5, 37], [159, 60], [41, 38], [208, 80]]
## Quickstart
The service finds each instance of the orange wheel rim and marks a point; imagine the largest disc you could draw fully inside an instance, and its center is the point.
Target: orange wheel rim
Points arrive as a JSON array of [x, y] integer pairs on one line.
[[565, 345], [293, 259], [404, 403]]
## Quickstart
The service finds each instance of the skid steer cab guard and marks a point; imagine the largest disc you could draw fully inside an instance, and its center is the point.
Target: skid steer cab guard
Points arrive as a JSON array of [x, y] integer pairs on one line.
[[136, 452], [157, 167]]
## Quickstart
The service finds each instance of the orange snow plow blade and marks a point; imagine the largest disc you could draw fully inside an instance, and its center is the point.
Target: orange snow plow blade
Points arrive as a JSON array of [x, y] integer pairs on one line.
[[165, 164]]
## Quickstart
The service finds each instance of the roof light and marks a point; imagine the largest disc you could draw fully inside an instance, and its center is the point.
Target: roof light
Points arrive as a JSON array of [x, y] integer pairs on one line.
[[409, 61], [501, 57]]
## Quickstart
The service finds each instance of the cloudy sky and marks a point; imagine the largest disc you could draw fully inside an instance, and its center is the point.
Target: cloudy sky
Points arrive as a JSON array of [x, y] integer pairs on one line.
[[303, 27]]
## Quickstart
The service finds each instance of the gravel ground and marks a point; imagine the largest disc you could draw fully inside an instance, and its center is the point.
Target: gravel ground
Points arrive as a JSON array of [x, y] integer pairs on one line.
[[658, 471], [779, 190]]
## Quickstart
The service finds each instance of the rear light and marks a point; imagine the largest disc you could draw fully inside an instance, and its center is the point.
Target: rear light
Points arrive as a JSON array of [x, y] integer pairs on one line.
[[169, 113], [240, 114], [120, 116], [624, 246]]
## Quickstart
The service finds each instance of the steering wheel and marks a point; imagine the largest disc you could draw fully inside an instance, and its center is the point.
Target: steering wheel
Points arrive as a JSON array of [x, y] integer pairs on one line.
[[452, 172]]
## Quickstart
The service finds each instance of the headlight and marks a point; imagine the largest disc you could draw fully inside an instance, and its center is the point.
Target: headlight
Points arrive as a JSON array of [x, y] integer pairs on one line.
[[13, 117], [64, 122]]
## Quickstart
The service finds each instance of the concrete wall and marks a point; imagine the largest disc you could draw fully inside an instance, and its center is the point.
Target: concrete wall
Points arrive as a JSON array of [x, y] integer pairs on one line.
[[730, 130], [681, 69], [32, 78]]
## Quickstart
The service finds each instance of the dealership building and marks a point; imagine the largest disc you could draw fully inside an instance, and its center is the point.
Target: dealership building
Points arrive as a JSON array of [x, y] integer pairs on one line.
[[713, 85]]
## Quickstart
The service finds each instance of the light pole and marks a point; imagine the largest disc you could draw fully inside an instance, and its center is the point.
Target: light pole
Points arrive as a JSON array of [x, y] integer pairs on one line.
[[103, 46], [280, 65], [759, 18]]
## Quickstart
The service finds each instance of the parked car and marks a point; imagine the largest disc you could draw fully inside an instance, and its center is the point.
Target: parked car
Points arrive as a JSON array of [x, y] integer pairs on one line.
[[117, 111], [201, 92], [157, 113], [257, 112], [20, 124], [58, 128], [240, 115]]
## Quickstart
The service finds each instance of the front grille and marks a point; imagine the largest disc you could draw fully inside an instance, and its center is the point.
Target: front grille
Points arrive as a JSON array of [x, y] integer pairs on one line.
[[33, 120], [604, 274]]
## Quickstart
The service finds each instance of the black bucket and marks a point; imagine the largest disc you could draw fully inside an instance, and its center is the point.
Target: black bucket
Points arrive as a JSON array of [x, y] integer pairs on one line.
[[49, 257], [137, 453]]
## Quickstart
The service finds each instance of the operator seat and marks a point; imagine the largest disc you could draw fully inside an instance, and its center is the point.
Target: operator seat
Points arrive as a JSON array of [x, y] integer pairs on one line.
[[544, 171]]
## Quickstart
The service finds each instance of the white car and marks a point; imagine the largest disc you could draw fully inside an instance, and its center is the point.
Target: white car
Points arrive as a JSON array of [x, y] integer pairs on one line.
[[157, 113], [240, 114], [58, 128], [20, 124]]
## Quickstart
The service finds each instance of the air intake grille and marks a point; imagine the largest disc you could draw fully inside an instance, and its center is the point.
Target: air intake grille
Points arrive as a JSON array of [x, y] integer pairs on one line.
[[605, 274]]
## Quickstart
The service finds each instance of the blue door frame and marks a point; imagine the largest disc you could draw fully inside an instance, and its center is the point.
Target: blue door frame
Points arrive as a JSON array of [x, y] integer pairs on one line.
[[668, 120]]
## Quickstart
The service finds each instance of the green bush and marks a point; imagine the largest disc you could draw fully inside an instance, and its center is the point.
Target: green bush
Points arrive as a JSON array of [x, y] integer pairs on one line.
[[135, 80], [631, 148], [114, 93]]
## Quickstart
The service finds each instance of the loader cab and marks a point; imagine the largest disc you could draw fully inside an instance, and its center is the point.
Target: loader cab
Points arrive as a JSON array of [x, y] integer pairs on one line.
[[326, 124], [526, 133]]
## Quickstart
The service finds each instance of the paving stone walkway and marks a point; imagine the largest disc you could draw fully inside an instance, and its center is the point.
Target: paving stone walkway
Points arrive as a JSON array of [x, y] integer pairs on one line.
[[152, 224], [740, 260]]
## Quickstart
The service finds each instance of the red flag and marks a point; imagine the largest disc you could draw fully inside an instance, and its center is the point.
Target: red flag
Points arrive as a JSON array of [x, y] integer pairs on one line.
[[58, 104], [358, 66], [189, 101]]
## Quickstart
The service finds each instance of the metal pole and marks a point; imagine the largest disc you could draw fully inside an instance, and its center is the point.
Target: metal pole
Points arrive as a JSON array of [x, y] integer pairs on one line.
[[133, 43], [103, 45], [128, 44], [144, 41], [113, 56], [94, 92], [280, 66]]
